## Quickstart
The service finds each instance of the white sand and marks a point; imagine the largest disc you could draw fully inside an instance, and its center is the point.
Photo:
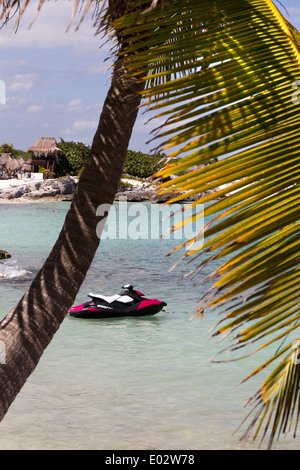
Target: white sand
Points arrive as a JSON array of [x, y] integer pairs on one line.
[[133, 182], [14, 183]]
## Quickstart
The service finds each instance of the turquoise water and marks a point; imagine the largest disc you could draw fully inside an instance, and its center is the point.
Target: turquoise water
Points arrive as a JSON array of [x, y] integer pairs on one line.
[[131, 383]]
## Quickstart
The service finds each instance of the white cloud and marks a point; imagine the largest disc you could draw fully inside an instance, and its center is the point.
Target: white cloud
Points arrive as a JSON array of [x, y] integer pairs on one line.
[[75, 105], [15, 101], [83, 125], [49, 28], [80, 127], [34, 108], [21, 82]]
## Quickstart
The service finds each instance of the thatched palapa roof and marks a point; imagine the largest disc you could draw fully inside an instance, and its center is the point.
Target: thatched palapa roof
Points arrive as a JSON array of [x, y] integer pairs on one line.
[[14, 165], [26, 166], [9, 163], [5, 158], [45, 146]]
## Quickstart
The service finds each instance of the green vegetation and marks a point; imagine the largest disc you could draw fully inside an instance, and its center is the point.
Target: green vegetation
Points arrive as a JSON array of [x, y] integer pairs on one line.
[[124, 185], [74, 157], [137, 164], [9, 148], [75, 154], [143, 165]]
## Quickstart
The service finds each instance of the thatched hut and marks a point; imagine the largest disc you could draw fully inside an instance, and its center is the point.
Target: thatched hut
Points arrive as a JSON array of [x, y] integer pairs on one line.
[[21, 160], [5, 159], [26, 166], [45, 154], [10, 165], [14, 165]]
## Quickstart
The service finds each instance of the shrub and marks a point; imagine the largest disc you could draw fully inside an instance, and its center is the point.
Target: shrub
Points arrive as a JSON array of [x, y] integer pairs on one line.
[[74, 157], [9, 148], [142, 165], [137, 164]]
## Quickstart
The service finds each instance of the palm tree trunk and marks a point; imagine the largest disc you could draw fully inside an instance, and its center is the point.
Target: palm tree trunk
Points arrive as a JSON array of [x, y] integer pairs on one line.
[[27, 330]]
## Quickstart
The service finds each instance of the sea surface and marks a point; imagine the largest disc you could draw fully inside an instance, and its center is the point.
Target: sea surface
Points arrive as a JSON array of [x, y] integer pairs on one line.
[[126, 383]]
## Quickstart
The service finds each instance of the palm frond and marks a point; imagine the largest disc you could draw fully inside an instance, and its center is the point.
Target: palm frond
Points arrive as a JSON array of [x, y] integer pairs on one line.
[[223, 76], [16, 9]]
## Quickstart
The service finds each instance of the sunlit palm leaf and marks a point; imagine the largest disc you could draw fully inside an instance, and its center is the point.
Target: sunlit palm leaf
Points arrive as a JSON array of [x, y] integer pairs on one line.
[[222, 75]]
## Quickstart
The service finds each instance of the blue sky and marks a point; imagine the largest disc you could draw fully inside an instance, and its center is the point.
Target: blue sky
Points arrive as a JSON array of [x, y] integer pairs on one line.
[[56, 81]]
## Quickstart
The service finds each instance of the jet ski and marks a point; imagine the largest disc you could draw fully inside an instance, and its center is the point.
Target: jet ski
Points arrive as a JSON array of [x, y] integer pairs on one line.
[[129, 302]]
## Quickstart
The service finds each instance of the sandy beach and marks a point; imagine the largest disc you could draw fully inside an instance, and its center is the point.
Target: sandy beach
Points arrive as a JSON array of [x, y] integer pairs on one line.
[[47, 189], [14, 182]]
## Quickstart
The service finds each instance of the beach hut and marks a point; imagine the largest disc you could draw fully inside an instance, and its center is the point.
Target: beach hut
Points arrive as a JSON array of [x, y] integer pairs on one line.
[[26, 166], [5, 158], [2, 166], [21, 160], [14, 165], [45, 153]]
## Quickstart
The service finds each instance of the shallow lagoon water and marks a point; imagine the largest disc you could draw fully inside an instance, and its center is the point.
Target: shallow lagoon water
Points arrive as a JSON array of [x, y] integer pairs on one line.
[[122, 384]]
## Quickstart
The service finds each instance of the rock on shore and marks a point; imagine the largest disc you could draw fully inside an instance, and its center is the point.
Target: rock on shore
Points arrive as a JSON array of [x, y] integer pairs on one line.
[[150, 194], [40, 190], [4, 255], [63, 189]]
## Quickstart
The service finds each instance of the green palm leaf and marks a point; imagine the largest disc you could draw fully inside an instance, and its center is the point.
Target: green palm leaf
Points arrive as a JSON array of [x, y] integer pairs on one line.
[[222, 75]]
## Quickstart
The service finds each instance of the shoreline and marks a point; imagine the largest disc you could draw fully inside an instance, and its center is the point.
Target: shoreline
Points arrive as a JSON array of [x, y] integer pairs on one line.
[[16, 191], [32, 201]]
